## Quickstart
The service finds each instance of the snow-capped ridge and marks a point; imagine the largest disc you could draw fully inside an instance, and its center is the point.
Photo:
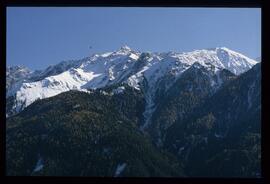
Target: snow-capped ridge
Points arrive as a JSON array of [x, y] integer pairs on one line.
[[125, 66], [237, 54], [126, 48], [123, 50], [17, 68]]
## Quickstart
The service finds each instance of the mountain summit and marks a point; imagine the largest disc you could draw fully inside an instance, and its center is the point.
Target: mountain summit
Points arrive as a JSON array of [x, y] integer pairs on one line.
[[125, 48]]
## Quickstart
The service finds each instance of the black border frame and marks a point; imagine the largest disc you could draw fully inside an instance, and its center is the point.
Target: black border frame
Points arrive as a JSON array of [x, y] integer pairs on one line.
[[137, 3]]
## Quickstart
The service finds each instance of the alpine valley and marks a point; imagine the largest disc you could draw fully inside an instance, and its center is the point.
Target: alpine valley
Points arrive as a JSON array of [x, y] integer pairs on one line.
[[136, 114]]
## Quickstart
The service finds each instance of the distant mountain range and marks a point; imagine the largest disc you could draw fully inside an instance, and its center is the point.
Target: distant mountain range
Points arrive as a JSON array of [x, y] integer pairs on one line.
[[122, 66], [130, 113]]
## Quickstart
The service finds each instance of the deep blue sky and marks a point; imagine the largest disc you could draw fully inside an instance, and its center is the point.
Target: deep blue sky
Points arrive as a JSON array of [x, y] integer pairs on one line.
[[38, 37]]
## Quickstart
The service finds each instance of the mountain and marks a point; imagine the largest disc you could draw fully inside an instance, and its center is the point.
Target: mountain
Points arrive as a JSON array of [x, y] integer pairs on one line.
[[194, 87], [57, 69], [85, 134], [222, 130], [130, 113], [16, 74], [122, 66]]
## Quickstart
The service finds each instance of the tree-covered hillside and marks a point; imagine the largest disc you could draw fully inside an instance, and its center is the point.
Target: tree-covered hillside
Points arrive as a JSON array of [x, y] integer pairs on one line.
[[81, 134]]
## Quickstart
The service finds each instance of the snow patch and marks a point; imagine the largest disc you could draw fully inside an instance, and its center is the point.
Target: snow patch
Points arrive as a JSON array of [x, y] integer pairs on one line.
[[39, 165], [106, 54], [76, 106], [120, 168], [119, 90], [180, 150], [149, 109], [218, 135], [133, 56]]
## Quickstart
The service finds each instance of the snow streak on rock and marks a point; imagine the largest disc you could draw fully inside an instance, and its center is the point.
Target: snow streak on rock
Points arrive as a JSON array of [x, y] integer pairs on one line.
[[120, 168], [39, 165]]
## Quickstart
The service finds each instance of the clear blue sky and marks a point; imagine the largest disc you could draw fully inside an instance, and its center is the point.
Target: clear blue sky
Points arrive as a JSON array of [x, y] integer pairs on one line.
[[38, 37]]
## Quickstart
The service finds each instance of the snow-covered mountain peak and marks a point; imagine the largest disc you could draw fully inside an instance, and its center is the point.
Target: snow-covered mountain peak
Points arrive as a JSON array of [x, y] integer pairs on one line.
[[124, 50], [18, 68], [123, 54], [125, 47], [234, 61], [15, 67], [123, 66], [16, 74], [235, 54], [220, 57]]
